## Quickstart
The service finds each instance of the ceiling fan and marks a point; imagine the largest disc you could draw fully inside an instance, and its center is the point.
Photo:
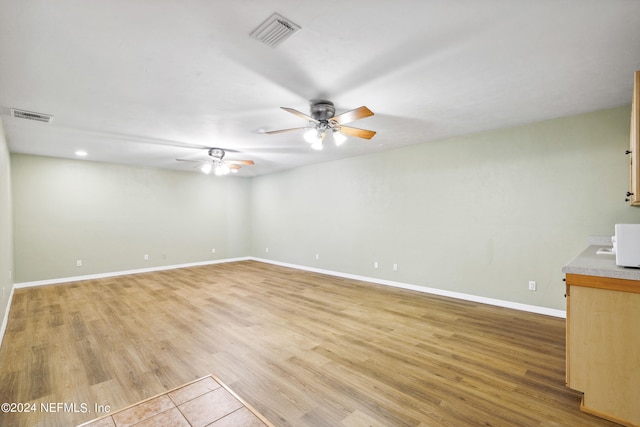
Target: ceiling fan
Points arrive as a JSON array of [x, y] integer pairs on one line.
[[324, 123], [216, 163]]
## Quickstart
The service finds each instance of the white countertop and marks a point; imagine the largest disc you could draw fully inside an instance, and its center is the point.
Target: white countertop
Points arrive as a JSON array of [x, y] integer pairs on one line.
[[589, 263]]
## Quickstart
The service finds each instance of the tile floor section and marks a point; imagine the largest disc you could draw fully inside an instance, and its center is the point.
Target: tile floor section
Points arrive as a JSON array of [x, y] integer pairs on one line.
[[205, 402]]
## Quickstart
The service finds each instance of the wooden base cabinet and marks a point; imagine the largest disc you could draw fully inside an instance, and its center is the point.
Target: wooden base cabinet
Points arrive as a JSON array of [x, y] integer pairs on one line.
[[603, 346]]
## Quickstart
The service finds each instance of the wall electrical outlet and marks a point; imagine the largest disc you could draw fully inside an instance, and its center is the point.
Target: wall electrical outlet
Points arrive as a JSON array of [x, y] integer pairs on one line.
[[79, 263], [375, 264], [146, 257], [266, 250], [532, 285], [317, 256], [395, 267], [213, 251]]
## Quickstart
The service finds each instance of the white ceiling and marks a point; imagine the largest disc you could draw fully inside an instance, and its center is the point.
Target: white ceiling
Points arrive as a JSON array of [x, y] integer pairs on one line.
[[132, 81]]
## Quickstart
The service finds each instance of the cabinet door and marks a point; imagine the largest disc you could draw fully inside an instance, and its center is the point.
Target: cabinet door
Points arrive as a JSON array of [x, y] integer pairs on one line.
[[604, 356], [634, 147], [568, 339]]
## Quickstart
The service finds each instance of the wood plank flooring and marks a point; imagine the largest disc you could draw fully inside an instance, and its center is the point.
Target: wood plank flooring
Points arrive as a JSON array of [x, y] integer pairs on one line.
[[304, 349]]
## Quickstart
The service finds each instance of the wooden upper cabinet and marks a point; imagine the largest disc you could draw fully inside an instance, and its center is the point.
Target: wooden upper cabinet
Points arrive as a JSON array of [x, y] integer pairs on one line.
[[633, 196]]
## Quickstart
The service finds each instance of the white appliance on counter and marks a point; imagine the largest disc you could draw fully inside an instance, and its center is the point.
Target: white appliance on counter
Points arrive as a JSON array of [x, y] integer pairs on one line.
[[626, 245]]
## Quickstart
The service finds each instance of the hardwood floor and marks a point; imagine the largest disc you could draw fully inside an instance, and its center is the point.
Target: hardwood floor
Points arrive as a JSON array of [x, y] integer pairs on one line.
[[302, 348]]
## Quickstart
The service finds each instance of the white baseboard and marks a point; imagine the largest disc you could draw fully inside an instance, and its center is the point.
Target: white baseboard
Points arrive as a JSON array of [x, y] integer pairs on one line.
[[5, 320], [123, 273], [434, 291]]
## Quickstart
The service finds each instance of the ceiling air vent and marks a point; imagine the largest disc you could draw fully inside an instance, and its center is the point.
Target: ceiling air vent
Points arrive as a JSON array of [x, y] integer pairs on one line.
[[274, 30], [30, 115]]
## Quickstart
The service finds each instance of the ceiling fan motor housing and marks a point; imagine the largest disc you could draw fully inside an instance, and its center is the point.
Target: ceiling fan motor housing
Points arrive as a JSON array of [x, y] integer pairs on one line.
[[216, 153], [322, 110]]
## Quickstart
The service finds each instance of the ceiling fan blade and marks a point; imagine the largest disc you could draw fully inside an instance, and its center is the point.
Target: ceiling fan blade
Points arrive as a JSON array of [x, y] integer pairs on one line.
[[194, 161], [270, 132], [360, 133], [240, 162], [299, 114], [353, 115]]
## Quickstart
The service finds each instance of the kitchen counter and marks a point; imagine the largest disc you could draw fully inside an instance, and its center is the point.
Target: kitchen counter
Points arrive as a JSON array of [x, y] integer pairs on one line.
[[588, 263]]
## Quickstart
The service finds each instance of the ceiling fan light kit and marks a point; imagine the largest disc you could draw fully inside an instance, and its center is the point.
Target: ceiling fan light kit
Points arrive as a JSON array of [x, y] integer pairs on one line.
[[222, 169], [217, 164], [206, 168], [339, 138]]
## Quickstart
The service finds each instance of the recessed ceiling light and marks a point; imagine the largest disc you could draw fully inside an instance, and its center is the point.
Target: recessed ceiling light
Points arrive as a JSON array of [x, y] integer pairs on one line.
[[81, 153]]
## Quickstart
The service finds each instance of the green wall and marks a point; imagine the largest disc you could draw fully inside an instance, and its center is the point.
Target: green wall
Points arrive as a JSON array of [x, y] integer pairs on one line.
[[110, 216], [480, 214], [6, 228]]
